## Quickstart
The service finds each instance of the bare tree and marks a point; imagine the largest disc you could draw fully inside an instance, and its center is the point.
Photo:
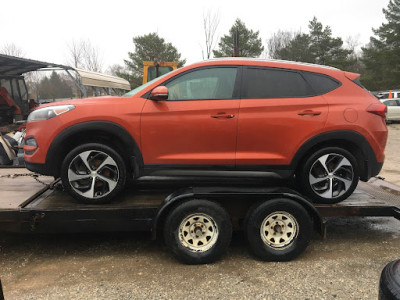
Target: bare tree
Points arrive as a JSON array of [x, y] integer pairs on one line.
[[210, 26], [12, 49], [75, 54], [116, 69], [91, 57], [82, 54], [352, 43], [277, 41], [32, 80]]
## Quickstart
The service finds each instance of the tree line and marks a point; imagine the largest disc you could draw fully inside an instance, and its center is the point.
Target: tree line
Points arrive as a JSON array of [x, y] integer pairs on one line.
[[378, 62]]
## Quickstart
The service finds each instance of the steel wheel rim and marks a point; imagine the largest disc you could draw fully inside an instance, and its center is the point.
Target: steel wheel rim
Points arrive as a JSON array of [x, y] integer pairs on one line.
[[198, 232], [93, 174], [279, 229], [331, 175]]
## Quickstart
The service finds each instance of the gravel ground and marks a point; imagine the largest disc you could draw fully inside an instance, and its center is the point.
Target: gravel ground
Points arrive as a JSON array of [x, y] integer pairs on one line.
[[345, 265], [391, 166]]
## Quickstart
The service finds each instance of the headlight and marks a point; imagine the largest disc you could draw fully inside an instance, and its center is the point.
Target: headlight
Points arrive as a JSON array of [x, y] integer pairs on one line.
[[49, 112]]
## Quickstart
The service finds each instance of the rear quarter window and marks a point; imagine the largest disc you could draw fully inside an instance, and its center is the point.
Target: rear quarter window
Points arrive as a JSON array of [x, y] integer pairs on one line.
[[321, 84]]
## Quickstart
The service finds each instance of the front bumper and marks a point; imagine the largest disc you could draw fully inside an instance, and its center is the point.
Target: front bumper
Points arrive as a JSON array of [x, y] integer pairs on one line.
[[39, 168]]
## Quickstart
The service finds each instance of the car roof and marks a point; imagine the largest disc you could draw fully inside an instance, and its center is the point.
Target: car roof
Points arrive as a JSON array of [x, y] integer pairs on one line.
[[272, 63]]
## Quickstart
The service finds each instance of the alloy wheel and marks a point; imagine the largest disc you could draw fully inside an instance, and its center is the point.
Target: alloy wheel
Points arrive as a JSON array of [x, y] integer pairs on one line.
[[93, 174], [331, 175]]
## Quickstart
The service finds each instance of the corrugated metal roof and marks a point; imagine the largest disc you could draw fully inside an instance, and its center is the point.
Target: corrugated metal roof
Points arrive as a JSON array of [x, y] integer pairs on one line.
[[15, 66]]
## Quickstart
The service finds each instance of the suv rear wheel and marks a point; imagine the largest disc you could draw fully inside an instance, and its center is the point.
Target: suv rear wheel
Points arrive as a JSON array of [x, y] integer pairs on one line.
[[330, 175], [93, 173]]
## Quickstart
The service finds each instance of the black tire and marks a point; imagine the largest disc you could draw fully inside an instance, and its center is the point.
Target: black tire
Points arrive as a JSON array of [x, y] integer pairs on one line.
[[191, 223], [343, 180], [96, 186], [4, 159], [13, 143], [278, 229], [389, 284]]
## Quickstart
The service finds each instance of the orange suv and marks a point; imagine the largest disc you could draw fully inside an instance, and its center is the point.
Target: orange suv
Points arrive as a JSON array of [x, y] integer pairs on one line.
[[314, 123]]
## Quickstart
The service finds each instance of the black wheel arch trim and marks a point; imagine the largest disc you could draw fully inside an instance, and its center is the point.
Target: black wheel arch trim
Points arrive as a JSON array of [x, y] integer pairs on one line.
[[220, 194], [370, 166], [116, 130]]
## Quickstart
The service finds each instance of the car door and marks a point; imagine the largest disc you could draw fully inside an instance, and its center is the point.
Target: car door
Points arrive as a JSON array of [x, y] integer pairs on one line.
[[393, 110], [278, 113], [396, 111], [197, 125]]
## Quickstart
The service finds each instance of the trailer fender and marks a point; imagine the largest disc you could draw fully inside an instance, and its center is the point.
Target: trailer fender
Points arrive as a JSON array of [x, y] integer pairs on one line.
[[187, 194], [319, 224], [176, 197]]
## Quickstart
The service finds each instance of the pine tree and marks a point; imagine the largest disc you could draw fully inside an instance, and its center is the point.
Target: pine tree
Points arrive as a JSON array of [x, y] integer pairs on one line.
[[326, 49], [318, 46], [298, 49], [382, 55], [149, 47], [54, 87], [250, 45]]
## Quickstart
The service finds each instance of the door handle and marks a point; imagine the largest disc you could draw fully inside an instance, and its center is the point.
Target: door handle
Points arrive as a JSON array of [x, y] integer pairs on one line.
[[309, 112], [223, 116]]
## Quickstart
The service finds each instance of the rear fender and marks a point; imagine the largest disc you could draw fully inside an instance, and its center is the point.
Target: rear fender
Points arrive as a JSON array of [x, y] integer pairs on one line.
[[224, 195]]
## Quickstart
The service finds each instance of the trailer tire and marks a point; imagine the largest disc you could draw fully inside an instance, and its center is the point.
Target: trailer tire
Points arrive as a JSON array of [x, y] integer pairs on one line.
[[278, 230], [198, 231], [93, 173], [389, 284]]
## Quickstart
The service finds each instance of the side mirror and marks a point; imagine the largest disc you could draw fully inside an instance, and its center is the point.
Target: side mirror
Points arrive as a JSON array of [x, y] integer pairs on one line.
[[159, 93]]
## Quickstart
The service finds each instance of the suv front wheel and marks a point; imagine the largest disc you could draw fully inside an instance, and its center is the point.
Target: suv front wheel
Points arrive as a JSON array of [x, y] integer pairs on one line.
[[93, 173], [329, 176]]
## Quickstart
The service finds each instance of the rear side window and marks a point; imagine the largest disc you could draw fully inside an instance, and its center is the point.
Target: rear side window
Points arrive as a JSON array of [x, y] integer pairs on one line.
[[274, 83], [321, 84], [391, 103]]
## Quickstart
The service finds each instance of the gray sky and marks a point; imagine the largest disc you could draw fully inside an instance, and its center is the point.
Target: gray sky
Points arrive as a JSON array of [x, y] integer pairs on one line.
[[43, 28]]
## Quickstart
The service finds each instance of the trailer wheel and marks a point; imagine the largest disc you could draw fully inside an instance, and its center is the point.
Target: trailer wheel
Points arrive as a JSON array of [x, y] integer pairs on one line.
[[278, 230], [198, 231], [93, 173]]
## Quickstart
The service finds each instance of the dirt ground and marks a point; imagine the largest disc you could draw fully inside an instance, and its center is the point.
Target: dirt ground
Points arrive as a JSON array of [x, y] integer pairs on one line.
[[345, 265], [391, 167]]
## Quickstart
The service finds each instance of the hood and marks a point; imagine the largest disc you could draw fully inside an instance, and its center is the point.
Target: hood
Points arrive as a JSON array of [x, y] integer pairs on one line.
[[83, 101]]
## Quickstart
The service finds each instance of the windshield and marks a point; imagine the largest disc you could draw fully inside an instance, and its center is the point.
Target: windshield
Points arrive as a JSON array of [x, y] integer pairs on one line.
[[139, 88]]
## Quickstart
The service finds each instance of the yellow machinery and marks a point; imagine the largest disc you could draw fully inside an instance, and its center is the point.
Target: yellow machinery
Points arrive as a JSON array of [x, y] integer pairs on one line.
[[154, 69]]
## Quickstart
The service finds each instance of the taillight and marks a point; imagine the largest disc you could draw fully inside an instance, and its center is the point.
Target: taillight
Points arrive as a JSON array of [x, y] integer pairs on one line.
[[378, 109]]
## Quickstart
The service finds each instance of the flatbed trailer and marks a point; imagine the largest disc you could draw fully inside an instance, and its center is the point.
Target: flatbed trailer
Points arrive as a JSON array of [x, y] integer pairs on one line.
[[143, 208]]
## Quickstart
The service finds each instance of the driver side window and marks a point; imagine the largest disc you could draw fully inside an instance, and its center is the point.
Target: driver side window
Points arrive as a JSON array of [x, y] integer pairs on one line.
[[203, 84]]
